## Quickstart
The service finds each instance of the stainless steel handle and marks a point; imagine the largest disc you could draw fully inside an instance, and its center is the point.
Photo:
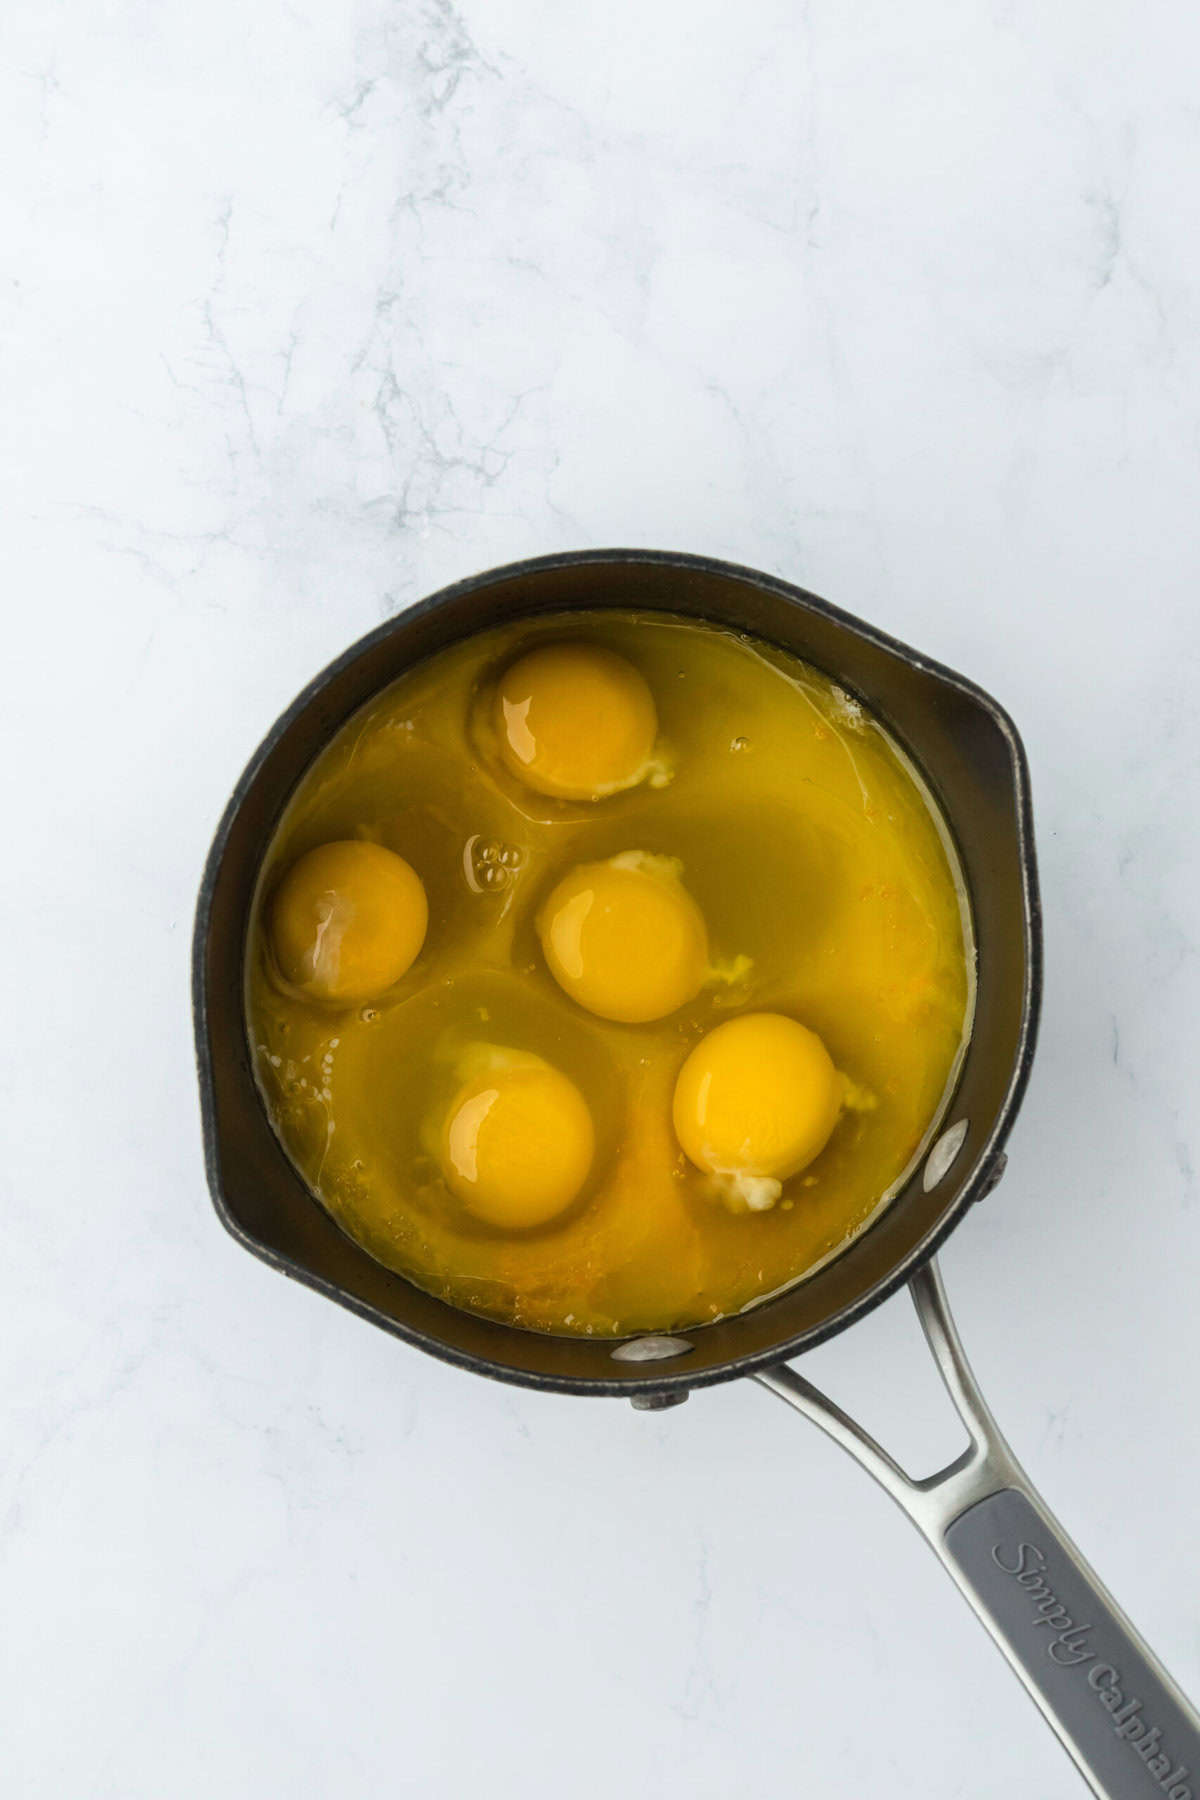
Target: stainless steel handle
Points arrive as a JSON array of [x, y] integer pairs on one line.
[[1130, 1730]]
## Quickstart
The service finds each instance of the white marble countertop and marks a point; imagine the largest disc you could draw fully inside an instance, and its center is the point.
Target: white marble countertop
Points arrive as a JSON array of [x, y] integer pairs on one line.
[[308, 309]]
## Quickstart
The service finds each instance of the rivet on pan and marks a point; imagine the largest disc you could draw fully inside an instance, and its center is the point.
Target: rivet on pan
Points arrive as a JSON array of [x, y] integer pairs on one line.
[[656, 1402], [940, 1158], [650, 1349], [993, 1176]]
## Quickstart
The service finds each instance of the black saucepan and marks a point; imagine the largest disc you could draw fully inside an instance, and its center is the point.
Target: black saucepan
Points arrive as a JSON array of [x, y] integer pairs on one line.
[[1126, 1724]]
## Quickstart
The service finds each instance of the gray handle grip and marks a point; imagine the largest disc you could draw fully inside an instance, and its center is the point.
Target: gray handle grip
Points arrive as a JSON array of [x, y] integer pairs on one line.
[[1129, 1729], [1131, 1732]]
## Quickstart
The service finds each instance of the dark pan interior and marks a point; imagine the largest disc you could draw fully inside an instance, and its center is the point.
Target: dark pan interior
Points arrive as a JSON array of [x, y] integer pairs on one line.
[[971, 756]]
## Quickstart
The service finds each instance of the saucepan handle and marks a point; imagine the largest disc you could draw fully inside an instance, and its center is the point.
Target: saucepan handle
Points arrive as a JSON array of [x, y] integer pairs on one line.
[[1130, 1730]]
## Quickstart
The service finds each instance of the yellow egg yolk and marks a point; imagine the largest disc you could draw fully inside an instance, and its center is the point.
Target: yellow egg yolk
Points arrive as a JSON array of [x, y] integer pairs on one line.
[[755, 1102], [347, 921], [575, 721], [517, 1143], [624, 938]]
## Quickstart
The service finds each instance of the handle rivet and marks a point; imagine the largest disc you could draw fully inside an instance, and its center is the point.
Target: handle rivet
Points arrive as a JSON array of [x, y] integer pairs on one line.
[[654, 1348], [940, 1159]]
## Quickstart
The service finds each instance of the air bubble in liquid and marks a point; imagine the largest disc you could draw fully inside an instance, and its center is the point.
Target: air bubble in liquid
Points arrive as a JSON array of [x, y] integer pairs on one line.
[[489, 865]]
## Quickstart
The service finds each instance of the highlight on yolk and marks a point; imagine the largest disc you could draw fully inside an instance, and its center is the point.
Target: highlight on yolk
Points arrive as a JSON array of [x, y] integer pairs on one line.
[[575, 721], [624, 938], [755, 1102], [347, 921], [517, 1143]]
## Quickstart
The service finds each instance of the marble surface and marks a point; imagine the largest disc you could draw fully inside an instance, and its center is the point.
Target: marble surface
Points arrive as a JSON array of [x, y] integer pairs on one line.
[[307, 309]]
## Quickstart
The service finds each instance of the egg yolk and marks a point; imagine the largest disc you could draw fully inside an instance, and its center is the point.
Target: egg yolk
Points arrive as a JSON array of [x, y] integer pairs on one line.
[[575, 721], [624, 938], [517, 1144], [347, 921], [755, 1102]]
